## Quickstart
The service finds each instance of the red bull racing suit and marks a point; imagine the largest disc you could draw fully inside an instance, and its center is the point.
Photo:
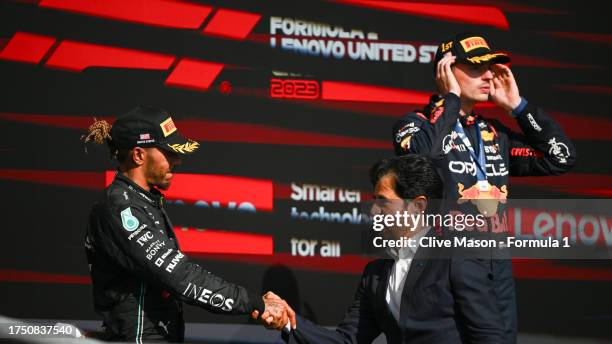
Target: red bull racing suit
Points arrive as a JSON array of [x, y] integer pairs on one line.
[[475, 157]]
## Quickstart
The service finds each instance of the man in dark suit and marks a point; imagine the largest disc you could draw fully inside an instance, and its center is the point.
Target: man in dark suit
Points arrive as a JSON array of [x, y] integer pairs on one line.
[[422, 294]]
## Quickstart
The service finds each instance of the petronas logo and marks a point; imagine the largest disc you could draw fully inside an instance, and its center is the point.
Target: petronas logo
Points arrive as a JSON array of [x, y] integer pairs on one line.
[[129, 221]]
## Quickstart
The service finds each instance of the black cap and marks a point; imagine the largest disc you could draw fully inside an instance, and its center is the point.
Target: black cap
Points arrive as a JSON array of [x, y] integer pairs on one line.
[[147, 126], [471, 49]]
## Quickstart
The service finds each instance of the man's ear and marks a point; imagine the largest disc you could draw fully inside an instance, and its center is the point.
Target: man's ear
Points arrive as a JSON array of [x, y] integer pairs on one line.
[[138, 155], [420, 203]]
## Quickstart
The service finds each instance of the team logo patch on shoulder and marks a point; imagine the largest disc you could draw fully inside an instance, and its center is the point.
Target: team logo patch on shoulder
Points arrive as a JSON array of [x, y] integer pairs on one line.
[[406, 130], [129, 221]]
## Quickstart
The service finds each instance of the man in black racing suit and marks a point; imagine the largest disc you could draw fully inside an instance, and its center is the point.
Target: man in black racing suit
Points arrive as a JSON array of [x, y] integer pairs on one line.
[[140, 276], [475, 156]]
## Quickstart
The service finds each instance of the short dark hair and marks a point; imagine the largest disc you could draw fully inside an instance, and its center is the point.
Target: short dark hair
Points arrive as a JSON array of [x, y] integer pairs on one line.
[[120, 154], [415, 175]]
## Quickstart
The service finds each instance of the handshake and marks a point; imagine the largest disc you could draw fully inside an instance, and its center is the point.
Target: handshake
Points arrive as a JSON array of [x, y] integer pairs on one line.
[[276, 314]]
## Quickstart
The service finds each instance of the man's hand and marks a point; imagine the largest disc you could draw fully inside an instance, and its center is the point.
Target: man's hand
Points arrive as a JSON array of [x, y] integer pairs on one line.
[[445, 79], [504, 90], [277, 313]]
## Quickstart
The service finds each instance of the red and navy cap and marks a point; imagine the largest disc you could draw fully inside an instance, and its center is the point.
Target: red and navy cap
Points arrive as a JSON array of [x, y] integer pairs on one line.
[[471, 49], [147, 126]]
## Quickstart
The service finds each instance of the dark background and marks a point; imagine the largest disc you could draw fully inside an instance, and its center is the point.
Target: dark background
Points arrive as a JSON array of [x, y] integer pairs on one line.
[[561, 53]]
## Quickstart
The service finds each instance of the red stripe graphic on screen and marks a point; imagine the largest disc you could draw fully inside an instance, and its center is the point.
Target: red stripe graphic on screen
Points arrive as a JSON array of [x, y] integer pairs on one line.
[[586, 127], [504, 6], [349, 263], [231, 24], [584, 88], [86, 180], [225, 23], [592, 37], [357, 92], [550, 270], [27, 47], [354, 264], [348, 91], [385, 109], [572, 183], [73, 122], [193, 74], [173, 14], [76, 56], [469, 14], [215, 241], [591, 128], [576, 126], [218, 131], [368, 108], [507, 7], [228, 191], [534, 61], [24, 276]]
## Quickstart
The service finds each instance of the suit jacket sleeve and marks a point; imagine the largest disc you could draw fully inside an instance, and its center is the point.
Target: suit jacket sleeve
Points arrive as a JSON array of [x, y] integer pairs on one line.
[[476, 301], [358, 326]]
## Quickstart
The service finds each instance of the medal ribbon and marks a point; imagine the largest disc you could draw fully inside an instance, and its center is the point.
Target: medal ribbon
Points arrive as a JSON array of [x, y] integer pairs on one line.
[[479, 161]]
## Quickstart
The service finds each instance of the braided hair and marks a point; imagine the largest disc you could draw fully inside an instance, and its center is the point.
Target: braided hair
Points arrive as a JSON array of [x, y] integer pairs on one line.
[[99, 133]]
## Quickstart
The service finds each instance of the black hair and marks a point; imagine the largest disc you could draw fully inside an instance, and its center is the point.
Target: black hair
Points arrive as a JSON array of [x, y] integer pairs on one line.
[[415, 175], [120, 154]]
